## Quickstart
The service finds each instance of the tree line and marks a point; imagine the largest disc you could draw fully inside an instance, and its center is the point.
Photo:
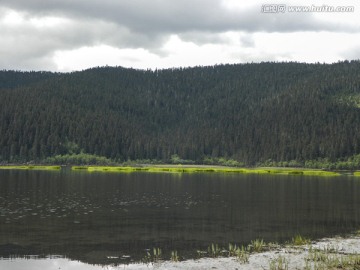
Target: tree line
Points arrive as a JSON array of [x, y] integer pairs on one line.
[[248, 113]]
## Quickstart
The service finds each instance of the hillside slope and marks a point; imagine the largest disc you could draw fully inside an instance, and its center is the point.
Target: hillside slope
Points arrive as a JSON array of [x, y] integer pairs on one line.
[[249, 112]]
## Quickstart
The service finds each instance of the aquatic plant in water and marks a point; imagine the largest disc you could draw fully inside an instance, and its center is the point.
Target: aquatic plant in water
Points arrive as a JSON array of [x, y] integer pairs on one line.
[[232, 250], [257, 245], [242, 255], [299, 240], [214, 250], [174, 256], [153, 256]]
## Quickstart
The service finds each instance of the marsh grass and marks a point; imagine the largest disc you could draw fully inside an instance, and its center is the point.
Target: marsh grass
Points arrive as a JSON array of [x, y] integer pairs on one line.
[[279, 263], [202, 169], [257, 245], [232, 250], [242, 254], [329, 258], [31, 167], [157, 253], [320, 173], [317, 255], [214, 250], [75, 168], [153, 256], [174, 256], [326, 258], [299, 240]]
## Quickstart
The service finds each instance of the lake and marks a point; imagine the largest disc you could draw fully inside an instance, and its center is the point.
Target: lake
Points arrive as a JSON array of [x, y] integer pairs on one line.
[[113, 218]]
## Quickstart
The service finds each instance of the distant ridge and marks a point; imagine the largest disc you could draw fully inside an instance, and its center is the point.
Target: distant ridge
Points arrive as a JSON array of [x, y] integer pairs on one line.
[[247, 112]]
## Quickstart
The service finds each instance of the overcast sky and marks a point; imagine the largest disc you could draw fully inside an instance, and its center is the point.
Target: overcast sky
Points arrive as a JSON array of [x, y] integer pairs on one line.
[[67, 35]]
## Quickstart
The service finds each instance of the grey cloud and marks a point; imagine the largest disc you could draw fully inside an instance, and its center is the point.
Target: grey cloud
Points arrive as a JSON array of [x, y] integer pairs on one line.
[[27, 47], [164, 16], [201, 38], [137, 15], [136, 24]]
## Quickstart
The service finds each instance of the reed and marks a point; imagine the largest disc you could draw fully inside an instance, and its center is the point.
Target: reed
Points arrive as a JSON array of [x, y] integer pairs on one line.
[[257, 245], [242, 255], [174, 256], [154, 256], [299, 240], [214, 250]]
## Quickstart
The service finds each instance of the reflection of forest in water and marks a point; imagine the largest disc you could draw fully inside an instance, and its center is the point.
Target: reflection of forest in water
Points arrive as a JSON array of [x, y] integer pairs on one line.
[[91, 217]]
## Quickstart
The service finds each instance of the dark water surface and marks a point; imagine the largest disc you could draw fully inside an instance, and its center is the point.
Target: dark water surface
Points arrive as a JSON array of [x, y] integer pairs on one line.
[[99, 218]]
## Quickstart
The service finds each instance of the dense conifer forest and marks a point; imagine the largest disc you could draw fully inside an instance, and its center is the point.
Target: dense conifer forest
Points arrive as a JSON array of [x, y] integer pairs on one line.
[[251, 113]]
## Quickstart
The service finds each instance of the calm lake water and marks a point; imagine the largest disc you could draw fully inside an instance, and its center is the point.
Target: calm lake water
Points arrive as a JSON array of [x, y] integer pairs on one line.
[[105, 219]]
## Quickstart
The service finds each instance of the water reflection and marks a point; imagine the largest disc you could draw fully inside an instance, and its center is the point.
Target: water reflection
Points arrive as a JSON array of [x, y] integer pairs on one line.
[[36, 263], [114, 218]]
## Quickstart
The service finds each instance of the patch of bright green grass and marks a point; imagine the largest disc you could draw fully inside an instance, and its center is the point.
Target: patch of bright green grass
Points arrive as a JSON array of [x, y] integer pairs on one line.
[[320, 173], [75, 168], [32, 167], [291, 172], [257, 245], [183, 169]]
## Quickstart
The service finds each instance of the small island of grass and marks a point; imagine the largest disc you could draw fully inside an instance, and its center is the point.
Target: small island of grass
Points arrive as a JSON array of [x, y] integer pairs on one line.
[[29, 167], [202, 169]]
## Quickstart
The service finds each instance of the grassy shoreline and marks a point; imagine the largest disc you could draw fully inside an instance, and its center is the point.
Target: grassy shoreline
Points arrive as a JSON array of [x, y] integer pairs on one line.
[[171, 168], [203, 169], [327, 253], [30, 167]]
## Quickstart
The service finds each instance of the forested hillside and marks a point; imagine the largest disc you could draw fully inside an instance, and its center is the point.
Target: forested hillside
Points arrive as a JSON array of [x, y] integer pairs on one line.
[[247, 112]]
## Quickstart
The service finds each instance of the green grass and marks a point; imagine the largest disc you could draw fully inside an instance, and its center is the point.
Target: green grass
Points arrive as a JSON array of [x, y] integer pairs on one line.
[[174, 256], [329, 259], [299, 240], [28, 167], [326, 258], [257, 245], [242, 255], [320, 173], [203, 169], [214, 250], [75, 168], [154, 256], [279, 263]]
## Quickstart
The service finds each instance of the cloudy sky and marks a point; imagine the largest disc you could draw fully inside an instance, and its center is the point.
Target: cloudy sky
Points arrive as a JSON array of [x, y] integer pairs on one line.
[[67, 35]]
